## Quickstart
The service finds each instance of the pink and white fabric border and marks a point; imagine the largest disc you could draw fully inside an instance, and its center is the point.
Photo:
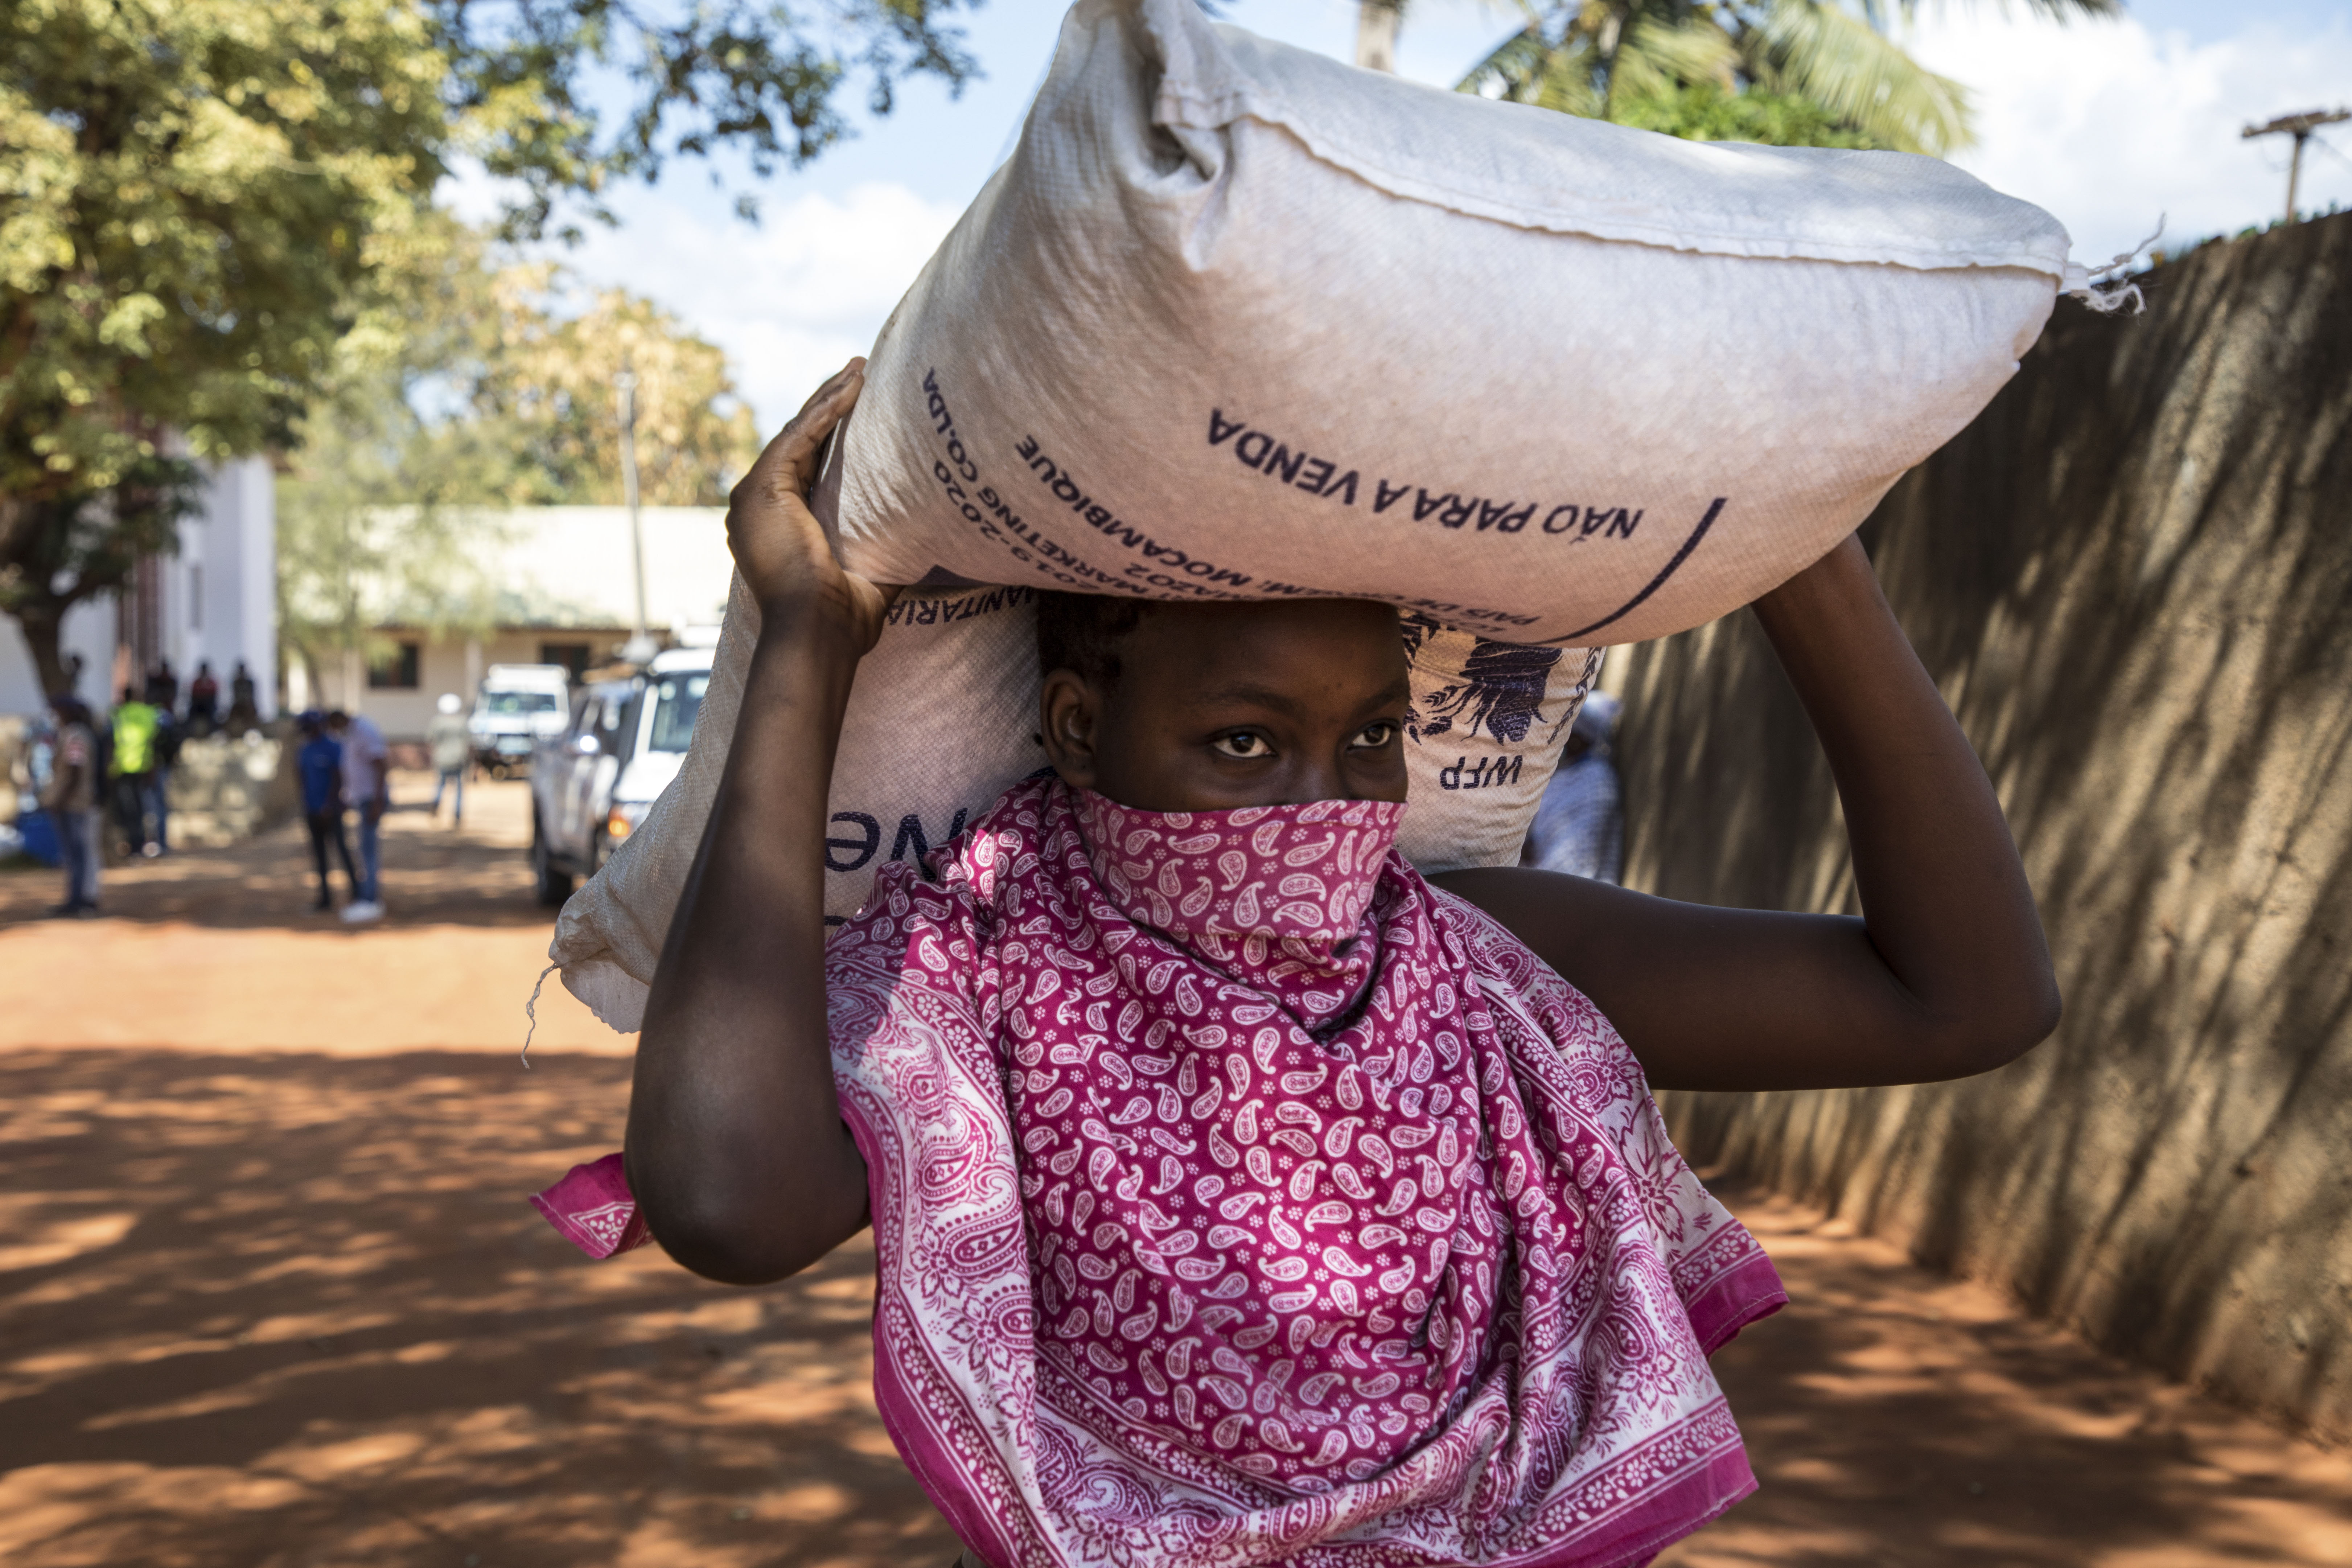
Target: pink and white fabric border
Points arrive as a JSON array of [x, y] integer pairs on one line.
[[593, 1208]]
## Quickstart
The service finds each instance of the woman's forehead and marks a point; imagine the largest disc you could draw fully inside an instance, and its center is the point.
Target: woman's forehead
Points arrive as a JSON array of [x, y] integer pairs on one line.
[[1270, 646]]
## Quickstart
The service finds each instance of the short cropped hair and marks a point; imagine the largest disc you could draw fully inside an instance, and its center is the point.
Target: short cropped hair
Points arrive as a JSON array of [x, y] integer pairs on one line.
[[1082, 632]]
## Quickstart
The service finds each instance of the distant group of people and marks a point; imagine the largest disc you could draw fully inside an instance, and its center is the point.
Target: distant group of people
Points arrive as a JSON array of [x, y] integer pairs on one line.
[[345, 767], [117, 767], [121, 767], [160, 689]]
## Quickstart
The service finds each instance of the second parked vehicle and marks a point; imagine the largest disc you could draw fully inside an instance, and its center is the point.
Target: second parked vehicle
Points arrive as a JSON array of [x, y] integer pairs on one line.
[[519, 706], [592, 784]]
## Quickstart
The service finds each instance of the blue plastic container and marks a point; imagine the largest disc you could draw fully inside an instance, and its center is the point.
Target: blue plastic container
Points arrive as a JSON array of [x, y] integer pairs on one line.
[[40, 836]]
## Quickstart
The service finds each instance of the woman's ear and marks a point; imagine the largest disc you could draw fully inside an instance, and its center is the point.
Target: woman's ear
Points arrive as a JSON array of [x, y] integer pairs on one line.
[[1068, 714]]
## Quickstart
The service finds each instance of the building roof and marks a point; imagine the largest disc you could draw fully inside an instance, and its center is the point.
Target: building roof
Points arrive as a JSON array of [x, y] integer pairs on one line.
[[570, 566]]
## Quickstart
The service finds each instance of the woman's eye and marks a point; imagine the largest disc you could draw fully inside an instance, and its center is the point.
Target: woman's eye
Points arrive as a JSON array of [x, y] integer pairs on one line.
[[1373, 736], [1242, 745]]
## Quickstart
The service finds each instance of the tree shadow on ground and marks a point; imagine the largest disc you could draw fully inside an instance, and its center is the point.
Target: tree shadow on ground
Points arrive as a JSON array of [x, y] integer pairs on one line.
[[1898, 1417], [262, 1310], [281, 1309]]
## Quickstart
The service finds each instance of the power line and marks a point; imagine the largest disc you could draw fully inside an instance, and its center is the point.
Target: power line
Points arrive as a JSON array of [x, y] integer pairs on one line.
[[2300, 127]]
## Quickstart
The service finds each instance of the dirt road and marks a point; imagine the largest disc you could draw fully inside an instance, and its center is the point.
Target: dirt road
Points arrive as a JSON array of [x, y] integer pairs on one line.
[[270, 1296]]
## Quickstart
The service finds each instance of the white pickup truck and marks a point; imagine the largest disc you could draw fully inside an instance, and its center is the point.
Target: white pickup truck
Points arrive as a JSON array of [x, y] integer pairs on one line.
[[517, 706], [593, 783]]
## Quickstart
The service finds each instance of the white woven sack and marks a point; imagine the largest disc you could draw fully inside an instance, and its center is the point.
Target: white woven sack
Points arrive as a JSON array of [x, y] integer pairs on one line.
[[1239, 320], [942, 718], [1236, 321]]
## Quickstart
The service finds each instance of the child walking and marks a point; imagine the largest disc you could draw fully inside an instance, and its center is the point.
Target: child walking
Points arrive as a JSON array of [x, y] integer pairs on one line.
[[1239, 1194]]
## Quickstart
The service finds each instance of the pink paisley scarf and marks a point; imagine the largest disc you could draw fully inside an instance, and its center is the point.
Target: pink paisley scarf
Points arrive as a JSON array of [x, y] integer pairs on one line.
[[1240, 1199]]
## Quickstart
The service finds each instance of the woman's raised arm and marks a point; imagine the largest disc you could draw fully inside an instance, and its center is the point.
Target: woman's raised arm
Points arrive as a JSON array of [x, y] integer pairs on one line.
[[737, 1154], [1946, 972]]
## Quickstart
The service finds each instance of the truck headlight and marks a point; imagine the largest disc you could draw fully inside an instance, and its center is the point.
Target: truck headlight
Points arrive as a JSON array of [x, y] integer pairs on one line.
[[623, 819]]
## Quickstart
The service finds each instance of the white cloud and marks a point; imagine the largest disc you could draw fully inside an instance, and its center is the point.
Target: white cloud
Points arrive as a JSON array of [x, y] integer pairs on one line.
[[2108, 124], [790, 300]]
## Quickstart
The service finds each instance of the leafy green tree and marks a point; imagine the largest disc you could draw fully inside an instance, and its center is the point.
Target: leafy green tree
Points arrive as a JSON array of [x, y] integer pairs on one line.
[[1819, 73], [70, 544], [385, 516], [383, 521], [1705, 112], [547, 389], [192, 198], [380, 512], [748, 76], [210, 208]]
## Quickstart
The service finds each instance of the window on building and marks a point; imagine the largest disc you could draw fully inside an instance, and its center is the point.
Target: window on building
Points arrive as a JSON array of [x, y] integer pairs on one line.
[[195, 595], [396, 671], [571, 656]]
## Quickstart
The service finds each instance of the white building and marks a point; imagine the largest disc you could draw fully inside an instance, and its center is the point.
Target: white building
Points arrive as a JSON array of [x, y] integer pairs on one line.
[[216, 600], [566, 594]]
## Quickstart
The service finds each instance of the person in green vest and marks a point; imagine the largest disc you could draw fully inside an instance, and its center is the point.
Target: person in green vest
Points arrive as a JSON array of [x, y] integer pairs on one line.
[[136, 753]]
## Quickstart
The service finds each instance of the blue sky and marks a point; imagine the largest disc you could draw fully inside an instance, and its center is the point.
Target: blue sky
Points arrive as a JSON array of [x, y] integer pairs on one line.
[[2107, 124]]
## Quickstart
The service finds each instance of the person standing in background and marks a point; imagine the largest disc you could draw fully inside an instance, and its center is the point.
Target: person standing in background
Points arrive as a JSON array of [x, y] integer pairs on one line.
[[367, 789], [163, 686], [203, 699], [243, 714], [1579, 825], [134, 772], [320, 764], [71, 800], [452, 749], [168, 736]]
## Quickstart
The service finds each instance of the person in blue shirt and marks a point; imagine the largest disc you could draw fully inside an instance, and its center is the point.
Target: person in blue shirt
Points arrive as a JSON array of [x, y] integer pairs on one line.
[[321, 763], [1580, 824]]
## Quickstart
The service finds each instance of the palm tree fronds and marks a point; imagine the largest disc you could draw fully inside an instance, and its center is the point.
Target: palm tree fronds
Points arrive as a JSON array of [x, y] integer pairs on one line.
[[1654, 56], [1821, 51], [1516, 60], [2066, 10], [1534, 67], [1880, 13], [1822, 73]]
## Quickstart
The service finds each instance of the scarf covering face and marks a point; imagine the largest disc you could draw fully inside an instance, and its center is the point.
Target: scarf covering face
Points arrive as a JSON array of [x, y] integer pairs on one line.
[[1241, 1199]]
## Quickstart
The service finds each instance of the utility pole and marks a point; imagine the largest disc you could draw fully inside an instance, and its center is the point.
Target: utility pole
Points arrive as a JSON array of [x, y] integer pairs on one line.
[[1376, 34], [640, 645], [2300, 127]]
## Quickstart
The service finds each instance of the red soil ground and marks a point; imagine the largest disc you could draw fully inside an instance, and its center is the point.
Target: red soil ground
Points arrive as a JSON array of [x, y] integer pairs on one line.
[[270, 1296]]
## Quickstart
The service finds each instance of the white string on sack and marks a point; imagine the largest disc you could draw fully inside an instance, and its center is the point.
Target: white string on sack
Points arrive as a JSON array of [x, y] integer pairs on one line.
[[530, 1011], [2106, 289]]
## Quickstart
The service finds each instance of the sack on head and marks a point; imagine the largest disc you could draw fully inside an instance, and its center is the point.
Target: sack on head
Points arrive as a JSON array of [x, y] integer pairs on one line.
[[1239, 321]]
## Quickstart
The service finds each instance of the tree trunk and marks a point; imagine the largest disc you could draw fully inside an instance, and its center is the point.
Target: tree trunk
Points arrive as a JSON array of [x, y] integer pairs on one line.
[[40, 622], [1612, 34], [1376, 34]]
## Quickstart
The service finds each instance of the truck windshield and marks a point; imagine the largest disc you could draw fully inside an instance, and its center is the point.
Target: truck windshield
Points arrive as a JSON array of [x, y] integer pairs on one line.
[[512, 702], [676, 699]]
